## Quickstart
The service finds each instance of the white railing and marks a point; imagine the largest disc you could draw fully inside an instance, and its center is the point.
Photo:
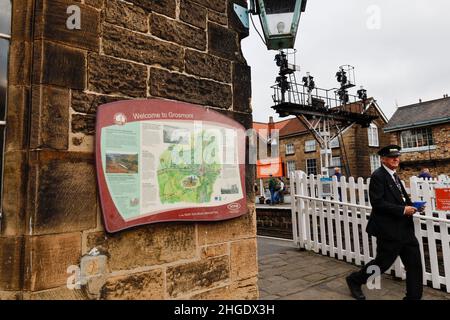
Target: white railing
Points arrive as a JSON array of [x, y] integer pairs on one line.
[[337, 228]]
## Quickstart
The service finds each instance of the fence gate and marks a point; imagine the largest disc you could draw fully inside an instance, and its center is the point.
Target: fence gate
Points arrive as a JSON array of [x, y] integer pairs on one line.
[[334, 225]]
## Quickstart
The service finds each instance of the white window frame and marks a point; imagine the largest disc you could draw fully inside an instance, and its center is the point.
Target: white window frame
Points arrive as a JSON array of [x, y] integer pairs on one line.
[[375, 162], [409, 139], [290, 167], [310, 145], [336, 162], [290, 149], [372, 133], [310, 167], [334, 143]]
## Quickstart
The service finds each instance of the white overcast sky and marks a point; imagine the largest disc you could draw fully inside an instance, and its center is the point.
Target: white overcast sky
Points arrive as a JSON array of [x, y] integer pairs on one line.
[[404, 58]]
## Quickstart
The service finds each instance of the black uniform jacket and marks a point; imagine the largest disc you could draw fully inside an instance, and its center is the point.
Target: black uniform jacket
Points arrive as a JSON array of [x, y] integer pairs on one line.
[[387, 220]]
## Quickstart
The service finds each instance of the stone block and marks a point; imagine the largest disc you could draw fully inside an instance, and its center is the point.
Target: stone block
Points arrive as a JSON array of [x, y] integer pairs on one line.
[[19, 60], [94, 3], [217, 17], [88, 103], [50, 118], [146, 245], [22, 13], [10, 263], [229, 230], [242, 88], [208, 66], [112, 76], [98, 4], [48, 259], [192, 13], [214, 251], [14, 190], [139, 286], [178, 32], [165, 7], [127, 16], [223, 42], [250, 178], [10, 295], [16, 118], [129, 45], [52, 14], [64, 188], [189, 89], [202, 274], [59, 65], [84, 123], [246, 289], [61, 293], [217, 5], [243, 259]]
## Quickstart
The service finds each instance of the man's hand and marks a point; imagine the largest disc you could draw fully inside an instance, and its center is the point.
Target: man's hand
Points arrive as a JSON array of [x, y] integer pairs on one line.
[[409, 211]]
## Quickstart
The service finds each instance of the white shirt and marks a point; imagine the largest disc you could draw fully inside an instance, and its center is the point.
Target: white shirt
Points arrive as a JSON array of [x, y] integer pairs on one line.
[[391, 172]]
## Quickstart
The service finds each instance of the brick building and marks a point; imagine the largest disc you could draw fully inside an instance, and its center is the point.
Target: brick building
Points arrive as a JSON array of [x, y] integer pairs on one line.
[[357, 154], [423, 132], [182, 50]]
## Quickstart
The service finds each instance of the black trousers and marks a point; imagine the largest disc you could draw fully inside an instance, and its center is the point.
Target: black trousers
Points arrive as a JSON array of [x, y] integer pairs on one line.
[[387, 253]]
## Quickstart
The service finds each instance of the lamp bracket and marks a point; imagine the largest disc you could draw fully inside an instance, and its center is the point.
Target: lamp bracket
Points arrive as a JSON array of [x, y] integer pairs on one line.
[[242, 13]]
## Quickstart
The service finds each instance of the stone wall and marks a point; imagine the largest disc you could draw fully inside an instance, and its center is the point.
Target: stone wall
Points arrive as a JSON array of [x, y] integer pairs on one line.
[[437, 160], [183, 50], [274, 222]]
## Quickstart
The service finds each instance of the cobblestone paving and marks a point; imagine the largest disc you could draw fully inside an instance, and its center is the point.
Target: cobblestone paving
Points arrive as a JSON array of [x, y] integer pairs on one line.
[[290, 274]]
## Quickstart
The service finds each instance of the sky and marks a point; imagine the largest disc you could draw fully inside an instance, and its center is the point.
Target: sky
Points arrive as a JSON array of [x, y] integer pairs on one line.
[[400, 50]]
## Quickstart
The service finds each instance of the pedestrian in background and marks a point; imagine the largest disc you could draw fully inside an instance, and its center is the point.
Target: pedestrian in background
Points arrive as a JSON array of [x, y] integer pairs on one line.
[[338, 174], [272, 186], [425, 174]]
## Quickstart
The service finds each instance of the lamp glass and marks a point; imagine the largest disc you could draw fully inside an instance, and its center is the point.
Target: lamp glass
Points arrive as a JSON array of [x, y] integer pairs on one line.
[[280, 19]]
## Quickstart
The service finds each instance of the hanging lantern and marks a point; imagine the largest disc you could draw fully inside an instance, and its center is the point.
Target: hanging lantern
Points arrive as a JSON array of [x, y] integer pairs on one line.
[[280, 20]]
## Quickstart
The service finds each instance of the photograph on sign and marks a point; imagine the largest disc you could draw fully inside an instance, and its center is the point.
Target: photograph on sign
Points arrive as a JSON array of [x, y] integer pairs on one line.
[[167, 161], [326, 189]]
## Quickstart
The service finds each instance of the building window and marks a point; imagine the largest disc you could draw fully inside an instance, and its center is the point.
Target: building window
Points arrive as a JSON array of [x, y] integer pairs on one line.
[[290, 148], [334, 143], [310, 145], [374, 162], [336, 162], [373, 135], [417, 138], [5, 37], [290, 168], [311, 166]]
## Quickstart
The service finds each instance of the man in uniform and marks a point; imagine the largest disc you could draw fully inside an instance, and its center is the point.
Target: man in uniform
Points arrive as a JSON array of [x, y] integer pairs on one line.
[[391, 223]]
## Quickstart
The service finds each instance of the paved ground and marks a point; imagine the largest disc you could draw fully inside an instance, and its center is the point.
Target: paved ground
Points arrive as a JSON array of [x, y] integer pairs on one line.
[[289, 274]]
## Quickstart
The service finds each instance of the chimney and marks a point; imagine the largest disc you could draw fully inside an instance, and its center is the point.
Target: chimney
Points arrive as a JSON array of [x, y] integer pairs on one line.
[[271, 125], [420, 100]]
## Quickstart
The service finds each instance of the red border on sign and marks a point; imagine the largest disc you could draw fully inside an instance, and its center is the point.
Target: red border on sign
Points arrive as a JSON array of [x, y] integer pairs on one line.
[[105, 117]]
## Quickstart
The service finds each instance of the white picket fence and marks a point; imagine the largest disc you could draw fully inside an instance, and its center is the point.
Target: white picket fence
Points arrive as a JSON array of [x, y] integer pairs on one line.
[[337, 228]]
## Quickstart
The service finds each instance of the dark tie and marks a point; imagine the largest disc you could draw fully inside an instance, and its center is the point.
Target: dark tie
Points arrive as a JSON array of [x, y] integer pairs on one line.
[[399, 185]]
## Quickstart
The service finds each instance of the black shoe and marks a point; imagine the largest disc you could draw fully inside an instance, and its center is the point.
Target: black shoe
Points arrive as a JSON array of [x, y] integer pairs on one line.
[[355, 288]]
